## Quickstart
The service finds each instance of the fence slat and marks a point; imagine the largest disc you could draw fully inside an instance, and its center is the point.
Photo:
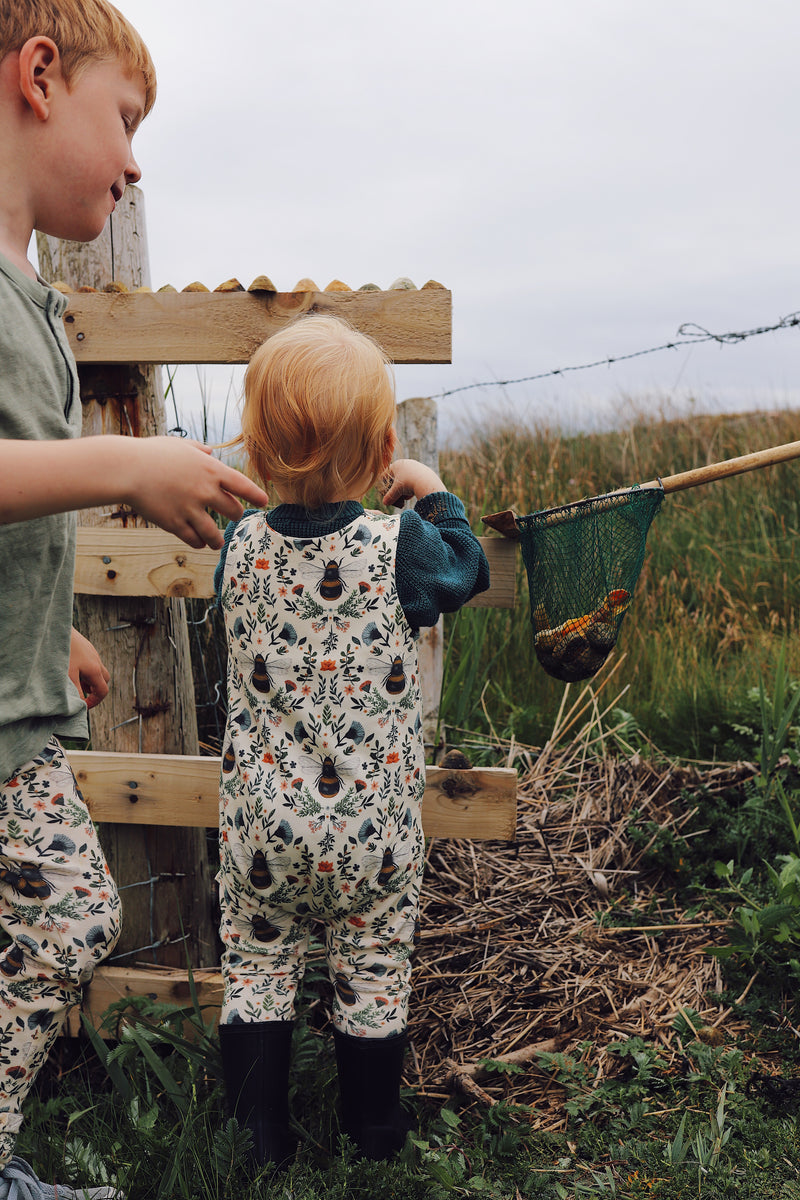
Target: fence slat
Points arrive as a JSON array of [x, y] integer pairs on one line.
[[165, 986], [227, 327], [148, 562], [183, 789]]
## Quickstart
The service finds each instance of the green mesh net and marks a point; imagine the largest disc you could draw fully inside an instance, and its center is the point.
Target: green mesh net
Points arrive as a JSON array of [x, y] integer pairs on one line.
[[583, 561]]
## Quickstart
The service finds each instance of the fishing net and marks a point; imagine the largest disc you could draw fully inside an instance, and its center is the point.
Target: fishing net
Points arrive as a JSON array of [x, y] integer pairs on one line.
[[582, 562]]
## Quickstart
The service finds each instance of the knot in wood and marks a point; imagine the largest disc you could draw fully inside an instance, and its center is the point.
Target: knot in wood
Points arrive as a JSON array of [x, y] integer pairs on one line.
[[457, 785]]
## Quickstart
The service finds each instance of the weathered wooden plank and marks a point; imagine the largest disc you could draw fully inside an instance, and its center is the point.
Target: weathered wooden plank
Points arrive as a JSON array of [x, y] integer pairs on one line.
[[141, 562], [183, 790], [226, 327], [166, 986], [149, 562]]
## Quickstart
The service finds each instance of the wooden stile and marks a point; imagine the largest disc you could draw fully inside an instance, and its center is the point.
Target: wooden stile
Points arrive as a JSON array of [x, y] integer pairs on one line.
[[178, 791]]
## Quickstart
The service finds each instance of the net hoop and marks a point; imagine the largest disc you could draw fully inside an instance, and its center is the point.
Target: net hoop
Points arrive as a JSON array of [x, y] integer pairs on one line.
[[582, 561]]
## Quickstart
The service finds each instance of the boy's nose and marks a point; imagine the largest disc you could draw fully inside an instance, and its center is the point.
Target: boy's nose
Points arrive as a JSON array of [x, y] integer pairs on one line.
[[133, 172]]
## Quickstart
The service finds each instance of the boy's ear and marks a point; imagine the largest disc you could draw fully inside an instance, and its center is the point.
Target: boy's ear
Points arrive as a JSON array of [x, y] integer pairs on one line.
[[39, 68]]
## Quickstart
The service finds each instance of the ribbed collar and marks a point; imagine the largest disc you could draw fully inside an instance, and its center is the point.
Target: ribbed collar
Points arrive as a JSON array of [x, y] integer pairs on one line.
[[293, 520]]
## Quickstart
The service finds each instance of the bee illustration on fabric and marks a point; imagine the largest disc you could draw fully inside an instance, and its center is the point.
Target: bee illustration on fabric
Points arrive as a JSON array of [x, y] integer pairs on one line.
[[12, 963], [388, 864], [259, 865], [260, 668], [264, 930], [331, 774], [26, 881], [259, 873], [228, 759], [331, 586], [395, 678], [345, 990], [329, 782], [388, 867]]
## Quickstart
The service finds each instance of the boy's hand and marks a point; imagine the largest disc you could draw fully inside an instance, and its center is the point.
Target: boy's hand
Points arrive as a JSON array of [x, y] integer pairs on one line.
[[86, 670], [406, 479], [174, 481]]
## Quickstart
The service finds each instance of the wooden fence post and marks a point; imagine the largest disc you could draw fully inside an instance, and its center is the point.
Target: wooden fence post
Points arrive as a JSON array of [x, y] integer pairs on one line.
[[163, 874], [418, 432]]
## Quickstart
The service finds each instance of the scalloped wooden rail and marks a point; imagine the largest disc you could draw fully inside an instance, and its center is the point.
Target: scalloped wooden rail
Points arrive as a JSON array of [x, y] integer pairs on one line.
[[227, 327]]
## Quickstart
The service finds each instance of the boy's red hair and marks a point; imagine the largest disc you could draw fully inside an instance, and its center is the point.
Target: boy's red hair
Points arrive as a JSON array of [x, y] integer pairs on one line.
[[84, 30]]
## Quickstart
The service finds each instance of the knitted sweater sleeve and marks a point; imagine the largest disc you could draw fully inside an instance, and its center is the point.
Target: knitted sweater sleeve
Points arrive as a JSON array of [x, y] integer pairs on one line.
[[440, 563]]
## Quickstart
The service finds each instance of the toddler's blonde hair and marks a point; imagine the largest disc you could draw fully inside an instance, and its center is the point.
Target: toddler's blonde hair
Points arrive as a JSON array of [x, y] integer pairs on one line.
[[319, 411], [84, 30]]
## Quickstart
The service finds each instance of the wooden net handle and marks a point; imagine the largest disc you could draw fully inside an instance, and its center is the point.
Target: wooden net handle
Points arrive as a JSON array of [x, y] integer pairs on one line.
[[729, 466], [505, 522]]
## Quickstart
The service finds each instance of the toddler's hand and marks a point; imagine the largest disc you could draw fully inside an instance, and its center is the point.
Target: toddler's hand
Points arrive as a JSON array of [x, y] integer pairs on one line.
[[407, 478], [174, 481]]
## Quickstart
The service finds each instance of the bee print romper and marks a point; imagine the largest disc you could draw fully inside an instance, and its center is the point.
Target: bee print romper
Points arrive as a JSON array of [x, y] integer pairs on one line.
[[322, 773]]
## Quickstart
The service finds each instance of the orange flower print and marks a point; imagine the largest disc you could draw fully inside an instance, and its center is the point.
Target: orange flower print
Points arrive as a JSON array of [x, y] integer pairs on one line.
[[393, 757], [262, 564], [268, 758], [359, 922], [328, 664], [325, 866]]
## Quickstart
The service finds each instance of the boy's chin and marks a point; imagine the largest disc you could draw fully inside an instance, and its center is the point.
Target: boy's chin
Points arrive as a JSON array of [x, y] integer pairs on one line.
[[86, 229]]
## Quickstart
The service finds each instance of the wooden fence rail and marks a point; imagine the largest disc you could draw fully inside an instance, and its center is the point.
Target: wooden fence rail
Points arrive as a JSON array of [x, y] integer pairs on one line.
[[227, 327], [149, 562]]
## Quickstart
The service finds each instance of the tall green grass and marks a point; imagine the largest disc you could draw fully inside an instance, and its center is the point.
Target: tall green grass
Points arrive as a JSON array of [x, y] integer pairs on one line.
[[718, 594]]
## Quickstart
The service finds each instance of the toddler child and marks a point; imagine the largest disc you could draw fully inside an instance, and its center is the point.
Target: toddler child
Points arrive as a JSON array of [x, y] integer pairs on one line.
[[323, 766], [75, 82]]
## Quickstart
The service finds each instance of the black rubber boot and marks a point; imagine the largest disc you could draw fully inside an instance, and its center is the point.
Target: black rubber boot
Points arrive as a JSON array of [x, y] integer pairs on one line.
[[369, 1087], [255, 1063]]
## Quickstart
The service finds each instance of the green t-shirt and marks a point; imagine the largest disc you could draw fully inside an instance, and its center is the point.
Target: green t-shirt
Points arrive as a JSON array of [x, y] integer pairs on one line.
[[39, 398]]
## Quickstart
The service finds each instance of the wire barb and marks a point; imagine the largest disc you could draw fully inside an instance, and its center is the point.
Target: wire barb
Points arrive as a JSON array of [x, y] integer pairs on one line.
[[689, 334]]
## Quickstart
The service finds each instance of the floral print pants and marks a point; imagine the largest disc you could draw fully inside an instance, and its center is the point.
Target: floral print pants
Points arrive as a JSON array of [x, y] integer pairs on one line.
[[368, 912], [61, 910]]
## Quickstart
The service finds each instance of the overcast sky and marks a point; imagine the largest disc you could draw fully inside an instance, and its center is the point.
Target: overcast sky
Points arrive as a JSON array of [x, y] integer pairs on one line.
[[585, 176]]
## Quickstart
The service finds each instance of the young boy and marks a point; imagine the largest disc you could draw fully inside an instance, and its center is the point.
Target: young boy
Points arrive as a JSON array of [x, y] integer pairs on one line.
[[323, 767], [76, 80]]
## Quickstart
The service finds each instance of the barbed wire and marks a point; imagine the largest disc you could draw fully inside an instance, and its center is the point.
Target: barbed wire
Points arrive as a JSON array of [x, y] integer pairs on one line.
[[689, 334]]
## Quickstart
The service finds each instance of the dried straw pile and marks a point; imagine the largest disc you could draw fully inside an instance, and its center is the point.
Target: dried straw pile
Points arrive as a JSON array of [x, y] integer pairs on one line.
[[512, 960]]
